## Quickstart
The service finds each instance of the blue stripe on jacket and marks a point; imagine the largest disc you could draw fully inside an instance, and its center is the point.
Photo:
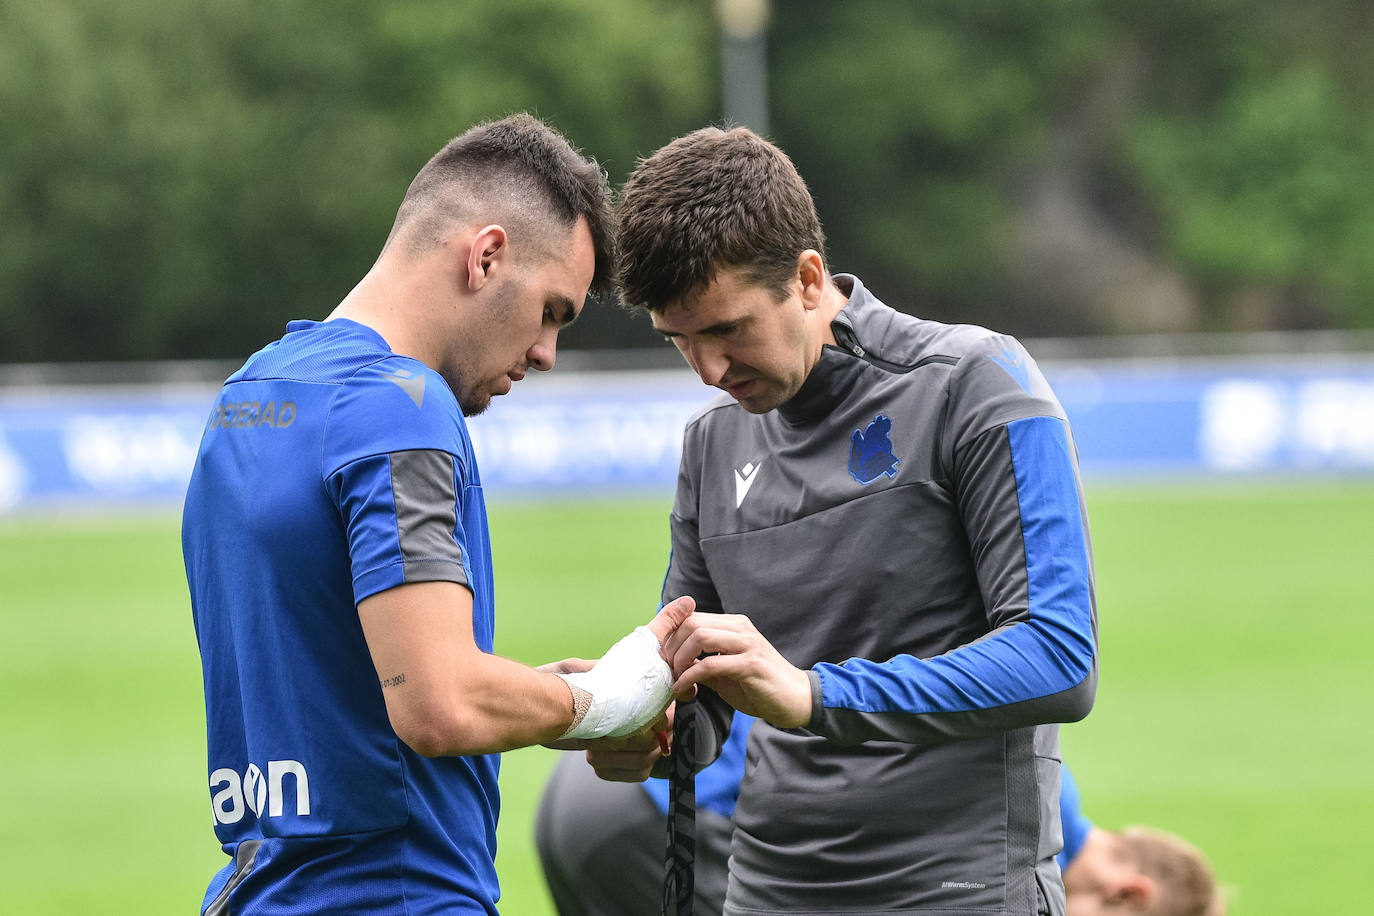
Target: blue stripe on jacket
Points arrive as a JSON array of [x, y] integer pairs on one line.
[[1046, 654]]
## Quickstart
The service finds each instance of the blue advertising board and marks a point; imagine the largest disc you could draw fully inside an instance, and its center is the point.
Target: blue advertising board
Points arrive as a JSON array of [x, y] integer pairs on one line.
[[1221, 417], [133, 446]]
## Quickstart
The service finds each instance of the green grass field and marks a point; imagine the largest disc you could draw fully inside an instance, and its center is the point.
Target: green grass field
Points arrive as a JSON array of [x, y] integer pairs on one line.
[[1233, 708]]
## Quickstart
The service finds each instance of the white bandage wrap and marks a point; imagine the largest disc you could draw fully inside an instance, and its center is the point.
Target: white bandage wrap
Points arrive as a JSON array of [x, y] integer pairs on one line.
[[629, 687]]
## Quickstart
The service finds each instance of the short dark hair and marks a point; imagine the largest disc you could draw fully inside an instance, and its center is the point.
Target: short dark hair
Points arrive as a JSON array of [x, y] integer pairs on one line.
[[710, 200], [525, 172]]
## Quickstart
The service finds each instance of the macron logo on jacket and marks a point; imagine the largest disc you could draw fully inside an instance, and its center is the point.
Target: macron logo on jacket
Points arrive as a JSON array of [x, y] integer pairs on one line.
[[744, 479]]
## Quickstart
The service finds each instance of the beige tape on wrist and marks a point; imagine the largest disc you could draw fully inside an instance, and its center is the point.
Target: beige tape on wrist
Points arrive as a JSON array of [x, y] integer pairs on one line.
[[582, 701]]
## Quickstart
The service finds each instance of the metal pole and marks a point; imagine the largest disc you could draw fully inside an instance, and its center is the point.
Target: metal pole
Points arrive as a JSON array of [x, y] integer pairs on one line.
[[744, 62]]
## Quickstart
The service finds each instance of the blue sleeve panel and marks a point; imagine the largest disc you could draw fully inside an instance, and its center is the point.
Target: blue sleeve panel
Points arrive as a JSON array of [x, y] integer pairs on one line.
[[1039, 667], [1076, 825]]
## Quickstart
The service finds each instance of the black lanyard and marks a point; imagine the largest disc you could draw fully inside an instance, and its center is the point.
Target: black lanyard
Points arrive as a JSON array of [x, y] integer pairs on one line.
[[679, 882]]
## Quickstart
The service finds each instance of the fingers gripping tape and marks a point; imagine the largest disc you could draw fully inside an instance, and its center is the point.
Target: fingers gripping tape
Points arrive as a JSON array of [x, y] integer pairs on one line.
[[629, 687]]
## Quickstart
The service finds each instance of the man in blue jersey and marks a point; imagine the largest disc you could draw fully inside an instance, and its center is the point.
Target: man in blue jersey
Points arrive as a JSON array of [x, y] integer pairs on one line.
[[600, 866], [1140, 871], [886, 513], [336, 548]]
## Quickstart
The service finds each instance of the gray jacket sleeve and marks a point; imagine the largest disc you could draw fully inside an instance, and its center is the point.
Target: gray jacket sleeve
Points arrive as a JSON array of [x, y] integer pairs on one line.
[[688, 575], [1011, 466]]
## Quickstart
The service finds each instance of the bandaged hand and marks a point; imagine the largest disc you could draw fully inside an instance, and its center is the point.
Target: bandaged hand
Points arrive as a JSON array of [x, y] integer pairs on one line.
[[628, 687], [623, 692]]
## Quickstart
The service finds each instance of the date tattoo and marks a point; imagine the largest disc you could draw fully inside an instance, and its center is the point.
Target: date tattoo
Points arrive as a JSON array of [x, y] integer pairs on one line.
[[394, 681]]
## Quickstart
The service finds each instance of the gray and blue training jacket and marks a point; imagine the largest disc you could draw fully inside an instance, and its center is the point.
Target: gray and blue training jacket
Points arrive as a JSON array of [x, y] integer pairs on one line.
[[910, 528]]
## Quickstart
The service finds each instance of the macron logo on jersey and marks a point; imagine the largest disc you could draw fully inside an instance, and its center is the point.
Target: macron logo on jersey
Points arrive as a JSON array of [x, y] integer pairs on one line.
[[1015, 365], [744, 479], [262, 793], [411, 383]]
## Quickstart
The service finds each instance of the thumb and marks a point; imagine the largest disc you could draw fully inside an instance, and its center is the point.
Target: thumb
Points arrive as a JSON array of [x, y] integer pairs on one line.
[[567, 666], [670, 617]]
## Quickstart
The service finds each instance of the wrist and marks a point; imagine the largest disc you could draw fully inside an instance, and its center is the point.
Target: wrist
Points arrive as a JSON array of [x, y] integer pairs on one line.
[[802, 704], [811, 694], [581, 703]]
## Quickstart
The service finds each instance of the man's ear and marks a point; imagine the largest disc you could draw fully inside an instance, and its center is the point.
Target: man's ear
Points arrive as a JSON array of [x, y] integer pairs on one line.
[[811, 277], [1132, 892], [489, 246]]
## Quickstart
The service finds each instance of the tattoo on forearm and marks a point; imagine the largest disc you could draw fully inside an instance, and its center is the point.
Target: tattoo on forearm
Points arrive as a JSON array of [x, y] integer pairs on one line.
[[393, 681]]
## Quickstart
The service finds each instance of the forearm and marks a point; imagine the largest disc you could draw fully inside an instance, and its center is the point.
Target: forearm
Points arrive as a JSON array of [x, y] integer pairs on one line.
[[1024, 674], [444, 695], [494, 705], [502, 704]]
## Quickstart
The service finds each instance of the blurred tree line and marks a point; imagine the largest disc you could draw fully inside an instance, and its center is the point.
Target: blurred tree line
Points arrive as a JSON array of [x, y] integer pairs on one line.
[[179, 179]]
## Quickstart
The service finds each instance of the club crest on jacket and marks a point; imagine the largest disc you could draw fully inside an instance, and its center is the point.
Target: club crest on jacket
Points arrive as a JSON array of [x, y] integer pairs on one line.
[[870, 451]]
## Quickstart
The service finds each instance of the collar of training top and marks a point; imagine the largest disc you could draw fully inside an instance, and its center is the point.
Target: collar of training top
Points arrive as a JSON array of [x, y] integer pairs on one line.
[[834, 375]]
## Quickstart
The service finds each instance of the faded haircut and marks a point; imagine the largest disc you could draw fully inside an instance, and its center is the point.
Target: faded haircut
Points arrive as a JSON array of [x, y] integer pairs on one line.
[[1182, 874], [517, 172], [711, 200]]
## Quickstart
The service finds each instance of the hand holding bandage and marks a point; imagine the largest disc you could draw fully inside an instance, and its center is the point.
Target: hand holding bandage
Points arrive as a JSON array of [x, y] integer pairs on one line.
[[631, 685], [727, 653]]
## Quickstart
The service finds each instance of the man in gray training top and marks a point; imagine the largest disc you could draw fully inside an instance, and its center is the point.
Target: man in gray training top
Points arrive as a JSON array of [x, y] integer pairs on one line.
[[887, 513]]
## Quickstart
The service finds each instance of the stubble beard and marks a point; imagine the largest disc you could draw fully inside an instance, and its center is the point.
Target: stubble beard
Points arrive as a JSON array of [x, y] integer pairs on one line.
[[474, 403], [475, 398]]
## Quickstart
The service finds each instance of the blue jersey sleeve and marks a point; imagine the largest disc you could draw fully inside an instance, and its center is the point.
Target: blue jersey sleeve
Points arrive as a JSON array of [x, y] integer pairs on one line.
[[397, 464]]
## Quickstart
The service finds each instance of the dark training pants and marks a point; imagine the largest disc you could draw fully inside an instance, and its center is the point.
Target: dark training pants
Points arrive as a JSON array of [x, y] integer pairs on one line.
[[602, 845]]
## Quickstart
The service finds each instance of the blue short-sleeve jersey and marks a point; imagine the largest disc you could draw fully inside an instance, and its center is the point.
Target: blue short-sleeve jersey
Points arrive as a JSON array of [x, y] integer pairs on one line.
[[331, 469]]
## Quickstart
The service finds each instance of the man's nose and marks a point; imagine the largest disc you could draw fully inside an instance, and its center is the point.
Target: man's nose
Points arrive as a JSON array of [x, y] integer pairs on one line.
[[543, 354], [709, 361]]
